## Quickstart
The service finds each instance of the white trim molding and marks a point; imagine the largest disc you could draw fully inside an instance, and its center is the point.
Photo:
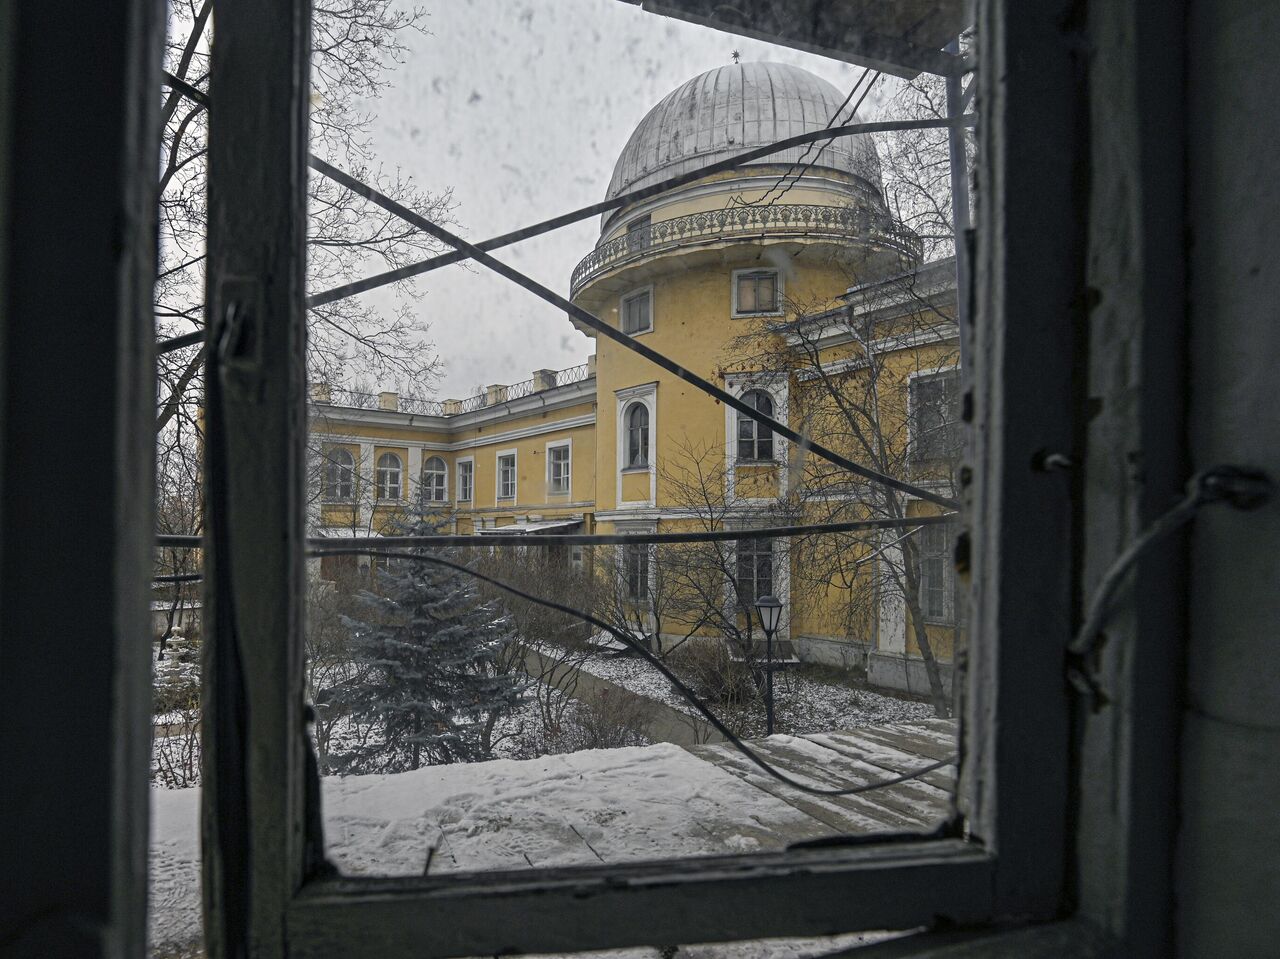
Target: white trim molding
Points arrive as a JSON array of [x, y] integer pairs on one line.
[[622, 309], [497, 476], [736, 313], [422, 468], [776, 385], [647, 395], [567, 444], [457, 486]]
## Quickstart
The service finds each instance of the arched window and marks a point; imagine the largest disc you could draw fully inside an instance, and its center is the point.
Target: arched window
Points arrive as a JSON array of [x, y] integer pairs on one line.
[[390, 471], [637, 435], [755, 441], [433, 480], [339, 475]]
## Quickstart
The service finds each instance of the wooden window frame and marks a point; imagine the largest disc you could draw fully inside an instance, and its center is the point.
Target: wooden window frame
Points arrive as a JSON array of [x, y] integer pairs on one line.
[[637, 445], [469, 462], [756, 430], [755, 549], [382, 487], [427, 487], [739, 275], [645, 291], [567, 446], [260, 812], [498, 457], [333, 476], [920, 454]]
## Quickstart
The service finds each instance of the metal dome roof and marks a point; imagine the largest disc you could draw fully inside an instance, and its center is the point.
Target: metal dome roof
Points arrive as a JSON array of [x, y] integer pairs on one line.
[[733, 108]]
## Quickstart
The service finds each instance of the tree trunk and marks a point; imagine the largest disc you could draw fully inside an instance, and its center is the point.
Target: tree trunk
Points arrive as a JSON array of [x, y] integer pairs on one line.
[[937, 692]]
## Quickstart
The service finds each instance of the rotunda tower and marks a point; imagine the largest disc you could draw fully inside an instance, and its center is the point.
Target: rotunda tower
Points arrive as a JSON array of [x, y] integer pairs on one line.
[[693, 268]]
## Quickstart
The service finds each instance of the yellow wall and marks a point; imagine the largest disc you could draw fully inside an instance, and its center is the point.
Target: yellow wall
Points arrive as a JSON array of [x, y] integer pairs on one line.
[[692, 322]]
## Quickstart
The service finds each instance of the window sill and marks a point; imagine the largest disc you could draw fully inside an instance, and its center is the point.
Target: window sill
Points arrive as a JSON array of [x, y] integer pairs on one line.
[[752, 316], [635, 469], [742, 462], [638, 332]]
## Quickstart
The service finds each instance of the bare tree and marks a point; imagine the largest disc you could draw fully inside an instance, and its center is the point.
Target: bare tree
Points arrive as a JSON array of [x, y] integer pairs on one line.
[[889, 399], [915, 164]]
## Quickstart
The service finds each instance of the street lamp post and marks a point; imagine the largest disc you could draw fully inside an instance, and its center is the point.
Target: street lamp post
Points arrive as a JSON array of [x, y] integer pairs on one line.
[[770, 610]]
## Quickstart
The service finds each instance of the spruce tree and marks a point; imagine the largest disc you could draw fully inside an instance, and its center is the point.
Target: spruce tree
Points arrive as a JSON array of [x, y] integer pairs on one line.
[[431, 680]]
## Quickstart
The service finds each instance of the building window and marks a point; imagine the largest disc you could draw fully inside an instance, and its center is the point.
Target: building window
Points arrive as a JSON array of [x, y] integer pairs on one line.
[[755, 291], [466, 478], [935, 416], [637, 313], [935, 572], [390, 471], [558, 468], [755, 570], [639, 234], [635, 570], [507, 476], [434, 476], [637, 436], [755, 441], [339, 475]]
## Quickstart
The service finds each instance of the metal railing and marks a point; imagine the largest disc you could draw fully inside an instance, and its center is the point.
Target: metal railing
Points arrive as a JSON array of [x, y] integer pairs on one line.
[[494, 396], [860, 223]]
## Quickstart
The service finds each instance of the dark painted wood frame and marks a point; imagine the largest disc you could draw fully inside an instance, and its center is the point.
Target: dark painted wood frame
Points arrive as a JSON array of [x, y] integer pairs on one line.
[[264, 893]]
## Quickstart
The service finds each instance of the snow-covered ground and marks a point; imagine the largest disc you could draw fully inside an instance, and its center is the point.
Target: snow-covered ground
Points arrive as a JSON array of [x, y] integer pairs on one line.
[[803, 704], [609, 805]]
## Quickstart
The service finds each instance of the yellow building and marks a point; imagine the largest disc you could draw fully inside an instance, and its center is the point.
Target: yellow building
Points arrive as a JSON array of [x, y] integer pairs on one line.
[[785, 281]]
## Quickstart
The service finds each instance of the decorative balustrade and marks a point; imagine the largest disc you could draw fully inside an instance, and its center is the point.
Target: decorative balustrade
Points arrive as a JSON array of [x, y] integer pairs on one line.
[[405, 403], [854, 223]]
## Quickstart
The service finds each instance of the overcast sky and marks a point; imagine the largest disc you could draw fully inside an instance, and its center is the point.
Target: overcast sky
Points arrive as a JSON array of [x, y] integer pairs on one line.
[[522, 107]]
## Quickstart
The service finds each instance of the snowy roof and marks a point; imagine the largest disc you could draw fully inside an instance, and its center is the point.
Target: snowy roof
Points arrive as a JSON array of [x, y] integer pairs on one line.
[[345, 532], [522, 528]]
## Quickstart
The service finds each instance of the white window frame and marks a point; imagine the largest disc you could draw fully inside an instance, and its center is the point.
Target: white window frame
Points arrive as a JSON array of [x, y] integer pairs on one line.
[[913, 378], [739, 314], [381, 486], [647, 395], [425, 488], [331, 468], [497, 475], [778, 388], [470, 463], [640, 553], [756, 428], [622, 309], [947, 533], [565, 444], [1016, 760], [753, 547]]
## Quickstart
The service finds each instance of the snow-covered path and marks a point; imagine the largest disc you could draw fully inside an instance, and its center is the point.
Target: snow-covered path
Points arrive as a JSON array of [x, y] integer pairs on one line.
[[609, 805]]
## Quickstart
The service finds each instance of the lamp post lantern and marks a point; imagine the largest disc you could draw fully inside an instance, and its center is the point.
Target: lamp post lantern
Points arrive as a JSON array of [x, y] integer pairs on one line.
[[769, 609]]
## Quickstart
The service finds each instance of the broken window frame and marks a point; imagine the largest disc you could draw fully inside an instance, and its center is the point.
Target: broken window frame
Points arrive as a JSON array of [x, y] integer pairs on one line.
[[260, 808]]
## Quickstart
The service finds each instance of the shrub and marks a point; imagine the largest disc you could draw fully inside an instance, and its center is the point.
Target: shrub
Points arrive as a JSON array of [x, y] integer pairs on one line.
[[705, 664]]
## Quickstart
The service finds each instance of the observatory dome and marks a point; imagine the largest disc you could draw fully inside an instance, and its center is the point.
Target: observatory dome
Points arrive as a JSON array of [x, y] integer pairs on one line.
[[734, 108]]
